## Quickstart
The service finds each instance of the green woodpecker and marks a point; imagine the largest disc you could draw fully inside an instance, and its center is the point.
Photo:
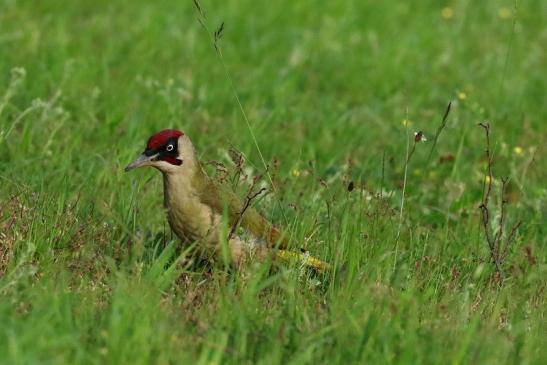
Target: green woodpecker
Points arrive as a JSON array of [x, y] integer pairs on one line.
[[195, 205]]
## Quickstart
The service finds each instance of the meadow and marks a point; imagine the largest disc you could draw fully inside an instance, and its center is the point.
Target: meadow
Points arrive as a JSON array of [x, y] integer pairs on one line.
[[323, 99]]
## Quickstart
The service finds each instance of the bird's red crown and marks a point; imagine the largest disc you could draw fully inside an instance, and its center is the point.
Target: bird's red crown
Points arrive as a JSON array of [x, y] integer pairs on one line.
[[161, 138]]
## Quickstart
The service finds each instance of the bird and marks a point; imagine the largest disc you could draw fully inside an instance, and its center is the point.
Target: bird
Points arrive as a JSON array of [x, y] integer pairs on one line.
[[195, 205]]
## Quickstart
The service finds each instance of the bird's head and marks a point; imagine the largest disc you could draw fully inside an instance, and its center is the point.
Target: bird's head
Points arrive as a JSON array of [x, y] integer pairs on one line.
[[169, 151]]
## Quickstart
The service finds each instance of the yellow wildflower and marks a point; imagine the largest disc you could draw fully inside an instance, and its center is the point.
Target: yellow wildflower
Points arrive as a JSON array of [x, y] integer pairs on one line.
[[406, 123], [447, 12], [487, 179], [504, 13], [462, 96], [517, 150], [295, 172]]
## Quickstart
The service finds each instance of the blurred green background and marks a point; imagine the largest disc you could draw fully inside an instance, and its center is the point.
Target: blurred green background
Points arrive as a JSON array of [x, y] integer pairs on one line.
[[333, 92]]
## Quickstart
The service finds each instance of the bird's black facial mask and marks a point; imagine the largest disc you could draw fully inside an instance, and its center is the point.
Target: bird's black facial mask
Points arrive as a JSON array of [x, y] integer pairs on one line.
[[162, 146], [169, 152]]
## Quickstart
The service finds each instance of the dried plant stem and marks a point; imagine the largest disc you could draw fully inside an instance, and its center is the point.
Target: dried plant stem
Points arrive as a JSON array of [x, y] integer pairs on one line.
[[495, 240], [407, 160], [439, 131], [418, 137], [215, 38], [248, 199]]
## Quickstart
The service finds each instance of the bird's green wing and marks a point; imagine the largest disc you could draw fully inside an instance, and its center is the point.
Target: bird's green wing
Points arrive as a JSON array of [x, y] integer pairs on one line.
[[217, 197], [249, 218]]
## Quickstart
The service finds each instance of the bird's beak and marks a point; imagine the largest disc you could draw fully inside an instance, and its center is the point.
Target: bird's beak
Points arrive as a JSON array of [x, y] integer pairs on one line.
[[141, 161]]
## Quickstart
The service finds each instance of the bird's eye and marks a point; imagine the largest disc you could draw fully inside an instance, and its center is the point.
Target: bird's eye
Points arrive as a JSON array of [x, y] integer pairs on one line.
[[169, 148]]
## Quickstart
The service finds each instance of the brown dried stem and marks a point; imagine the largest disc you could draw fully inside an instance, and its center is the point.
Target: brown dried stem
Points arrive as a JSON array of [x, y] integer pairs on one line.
[[495, 240], [439, 130], [248, 199]]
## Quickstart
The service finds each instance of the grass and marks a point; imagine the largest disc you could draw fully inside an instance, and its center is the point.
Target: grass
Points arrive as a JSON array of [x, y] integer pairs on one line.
[[89, 272]]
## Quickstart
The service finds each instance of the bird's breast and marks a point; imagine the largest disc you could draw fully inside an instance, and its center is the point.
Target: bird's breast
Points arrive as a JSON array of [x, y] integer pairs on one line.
[[188, 216], [193, 220]]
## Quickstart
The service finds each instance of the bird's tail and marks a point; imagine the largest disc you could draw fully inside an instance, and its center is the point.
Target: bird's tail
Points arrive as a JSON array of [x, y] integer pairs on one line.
[[304, 259]]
